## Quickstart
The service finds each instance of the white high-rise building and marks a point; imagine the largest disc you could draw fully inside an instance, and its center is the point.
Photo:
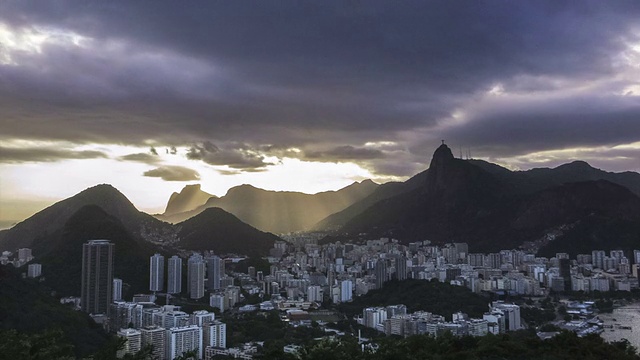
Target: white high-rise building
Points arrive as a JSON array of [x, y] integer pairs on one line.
[[170, 319], [117, 289], [34, 270], [597, 258], [183, 339], [346, 290], [133, 343], [156, 273], [218, 301], [214, 272], [201, 317], [511, 313], [155, 336], [196, 270], [314, 293], [374, 316], [214, 334], [24, 255], [174, 282]]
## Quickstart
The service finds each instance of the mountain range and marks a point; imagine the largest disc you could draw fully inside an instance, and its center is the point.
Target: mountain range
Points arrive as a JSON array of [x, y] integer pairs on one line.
[[56, 235], [571, 208], [493, 208], [273, 211]]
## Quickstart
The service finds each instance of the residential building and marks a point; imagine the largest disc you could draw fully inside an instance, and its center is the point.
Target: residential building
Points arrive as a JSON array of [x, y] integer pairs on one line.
[[174, 275], [133, 342], [156, 273], [196, 272], [97, 276], [183, 339]]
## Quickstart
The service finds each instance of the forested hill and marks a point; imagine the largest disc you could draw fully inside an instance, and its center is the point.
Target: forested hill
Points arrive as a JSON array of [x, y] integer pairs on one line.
[[422, 295]]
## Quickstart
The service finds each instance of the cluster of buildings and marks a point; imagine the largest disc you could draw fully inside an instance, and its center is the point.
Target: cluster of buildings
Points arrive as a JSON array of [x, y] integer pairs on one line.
[[21, 257], [303, 275], [338, 272], [170, 331], [394, 320]]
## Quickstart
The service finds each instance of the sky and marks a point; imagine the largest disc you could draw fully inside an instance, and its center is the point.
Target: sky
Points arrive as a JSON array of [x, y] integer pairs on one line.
[[304, 95]]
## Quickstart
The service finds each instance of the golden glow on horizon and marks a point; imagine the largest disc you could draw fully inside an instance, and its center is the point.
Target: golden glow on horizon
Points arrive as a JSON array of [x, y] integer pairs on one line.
[[53, 181]]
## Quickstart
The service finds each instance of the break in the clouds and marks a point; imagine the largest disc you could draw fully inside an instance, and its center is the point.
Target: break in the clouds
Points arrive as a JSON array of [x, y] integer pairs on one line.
[[173, 173], [504, 79]]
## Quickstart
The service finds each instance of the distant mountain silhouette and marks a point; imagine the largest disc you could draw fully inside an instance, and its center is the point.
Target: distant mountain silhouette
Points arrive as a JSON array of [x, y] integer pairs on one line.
[[55, 216], [281, 211], [218, 230], [191, 197], [542, 178], [493, 208]]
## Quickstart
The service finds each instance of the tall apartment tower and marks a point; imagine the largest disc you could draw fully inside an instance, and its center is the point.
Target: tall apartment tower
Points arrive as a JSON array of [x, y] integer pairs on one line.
[[97, 276], [174, 275], [156, 273], [214, 272], [381, 273], [196, 270], [117, 289]]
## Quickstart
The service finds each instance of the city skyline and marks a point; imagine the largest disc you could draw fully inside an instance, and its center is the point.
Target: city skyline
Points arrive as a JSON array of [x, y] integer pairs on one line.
[[304, 96]]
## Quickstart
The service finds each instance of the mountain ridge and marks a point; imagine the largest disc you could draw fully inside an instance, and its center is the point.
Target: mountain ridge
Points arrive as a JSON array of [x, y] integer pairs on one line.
[[488, 206], [281, 211], [190, 197]]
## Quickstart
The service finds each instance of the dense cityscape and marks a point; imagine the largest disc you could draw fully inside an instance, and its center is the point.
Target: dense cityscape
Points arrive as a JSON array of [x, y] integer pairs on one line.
[[305, 282]]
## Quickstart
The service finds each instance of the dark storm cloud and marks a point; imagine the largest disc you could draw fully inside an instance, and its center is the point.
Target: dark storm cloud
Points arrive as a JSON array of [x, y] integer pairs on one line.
[[551, 124], [346, 152], [238, 157], [316, 75], [45, 154], [141, 157], [173, 173]]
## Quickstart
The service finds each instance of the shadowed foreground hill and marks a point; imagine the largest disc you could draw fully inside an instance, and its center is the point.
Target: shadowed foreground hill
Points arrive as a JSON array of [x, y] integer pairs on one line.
[[61, 252], [55, 216], [27, 308], [218, 230]]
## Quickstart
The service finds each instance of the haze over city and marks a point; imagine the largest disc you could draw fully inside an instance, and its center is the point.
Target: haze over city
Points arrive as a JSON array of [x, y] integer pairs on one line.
[[304, 96]]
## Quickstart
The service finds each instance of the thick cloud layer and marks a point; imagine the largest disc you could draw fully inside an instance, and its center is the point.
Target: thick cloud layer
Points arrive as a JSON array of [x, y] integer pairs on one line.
[[173, 173], [257, 79]]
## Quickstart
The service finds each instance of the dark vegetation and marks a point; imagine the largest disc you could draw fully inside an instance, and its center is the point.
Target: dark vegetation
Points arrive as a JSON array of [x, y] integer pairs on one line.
[[432, 296], [522, 345], [537, 316], [35, 316], [254, 326]]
